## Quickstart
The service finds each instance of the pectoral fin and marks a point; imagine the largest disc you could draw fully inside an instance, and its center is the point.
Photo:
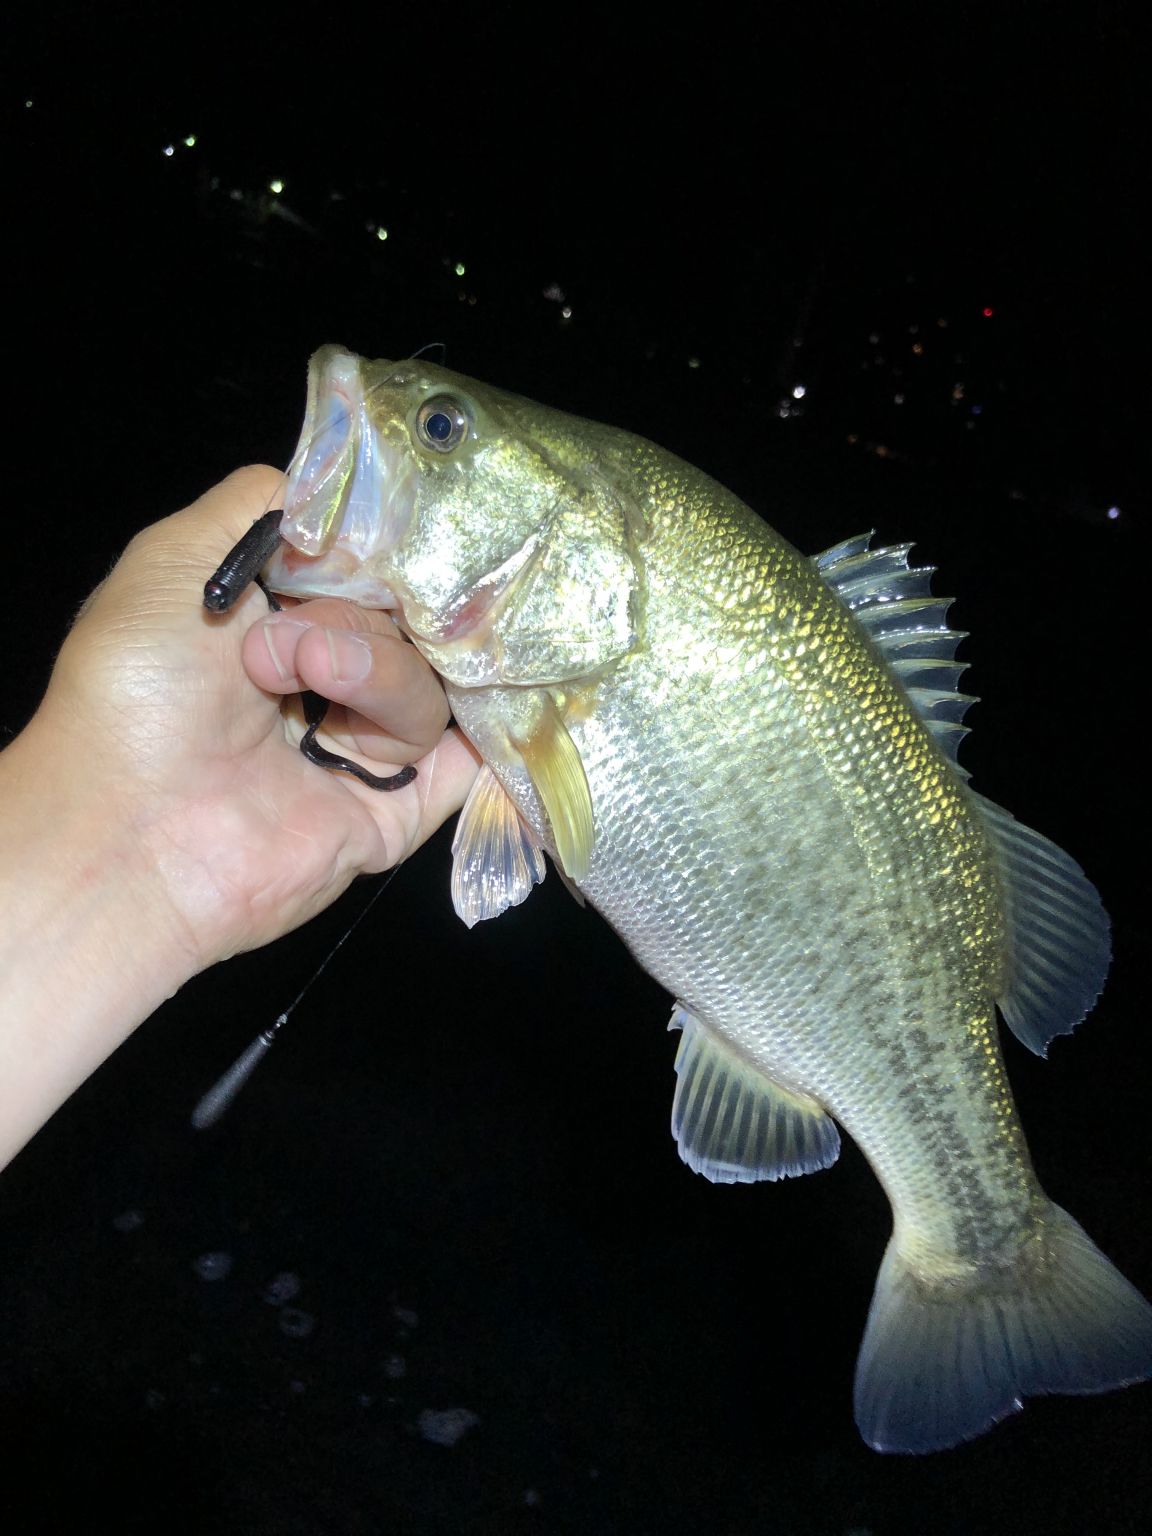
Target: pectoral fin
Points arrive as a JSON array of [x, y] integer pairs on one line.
[[735, 1125], [496, 858], [557, 775]]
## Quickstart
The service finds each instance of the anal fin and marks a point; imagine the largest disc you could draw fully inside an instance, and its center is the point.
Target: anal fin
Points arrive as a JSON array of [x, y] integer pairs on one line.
[[496, 858], [735, 1125]]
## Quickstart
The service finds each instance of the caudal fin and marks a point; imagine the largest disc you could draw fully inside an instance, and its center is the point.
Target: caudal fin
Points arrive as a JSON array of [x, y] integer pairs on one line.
[[942, 1362]]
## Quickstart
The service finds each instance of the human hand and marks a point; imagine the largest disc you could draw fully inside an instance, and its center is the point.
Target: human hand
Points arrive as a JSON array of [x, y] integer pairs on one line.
[[176, 712], [156, 815]]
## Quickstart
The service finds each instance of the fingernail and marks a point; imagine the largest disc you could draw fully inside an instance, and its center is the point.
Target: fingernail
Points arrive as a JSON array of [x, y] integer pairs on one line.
[[351, 659], [281, 636]]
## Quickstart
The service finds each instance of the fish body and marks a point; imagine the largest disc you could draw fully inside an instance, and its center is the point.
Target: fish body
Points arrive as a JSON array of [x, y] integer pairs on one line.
[[744, 758]]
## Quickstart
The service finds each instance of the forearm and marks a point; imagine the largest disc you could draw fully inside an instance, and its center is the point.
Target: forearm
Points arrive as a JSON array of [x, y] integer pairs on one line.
[[87, 950]]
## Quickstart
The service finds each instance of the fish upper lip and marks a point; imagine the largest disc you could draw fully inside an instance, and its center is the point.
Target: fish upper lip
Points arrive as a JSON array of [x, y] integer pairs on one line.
[[350, 490]]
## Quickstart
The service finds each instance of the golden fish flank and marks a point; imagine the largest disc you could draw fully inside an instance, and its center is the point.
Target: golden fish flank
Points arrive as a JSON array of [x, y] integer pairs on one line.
[[746, 760]]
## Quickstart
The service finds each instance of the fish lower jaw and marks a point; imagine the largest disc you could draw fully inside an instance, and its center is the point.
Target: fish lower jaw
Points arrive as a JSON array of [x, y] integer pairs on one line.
[[333, 574]]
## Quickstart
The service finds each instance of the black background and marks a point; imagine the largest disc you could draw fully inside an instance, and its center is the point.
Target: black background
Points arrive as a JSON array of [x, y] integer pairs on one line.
[[461, 1146]]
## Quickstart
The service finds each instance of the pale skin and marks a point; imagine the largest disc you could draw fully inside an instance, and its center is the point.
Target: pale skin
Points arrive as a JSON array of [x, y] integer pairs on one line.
[[156, 815]]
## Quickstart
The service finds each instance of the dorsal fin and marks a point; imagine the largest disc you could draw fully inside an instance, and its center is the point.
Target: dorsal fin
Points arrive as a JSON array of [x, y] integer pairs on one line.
[[1060, 939], [893, 601]]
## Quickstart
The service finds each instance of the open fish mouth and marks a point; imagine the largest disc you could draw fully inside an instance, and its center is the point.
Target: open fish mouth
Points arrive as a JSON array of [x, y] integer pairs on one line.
[[349, 497]]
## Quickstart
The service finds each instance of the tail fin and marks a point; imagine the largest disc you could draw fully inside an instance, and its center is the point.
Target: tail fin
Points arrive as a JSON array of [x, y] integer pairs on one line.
[[943, 1362]]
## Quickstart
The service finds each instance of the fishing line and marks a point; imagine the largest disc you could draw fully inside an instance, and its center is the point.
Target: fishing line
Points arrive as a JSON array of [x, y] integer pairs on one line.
[[224, 1090], [428, 347]]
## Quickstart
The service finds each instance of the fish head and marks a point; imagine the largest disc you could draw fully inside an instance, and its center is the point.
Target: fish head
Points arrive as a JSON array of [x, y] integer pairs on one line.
[[499, 531]]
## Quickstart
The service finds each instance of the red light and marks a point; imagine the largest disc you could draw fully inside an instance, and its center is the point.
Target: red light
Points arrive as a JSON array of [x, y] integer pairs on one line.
[[987, 312]]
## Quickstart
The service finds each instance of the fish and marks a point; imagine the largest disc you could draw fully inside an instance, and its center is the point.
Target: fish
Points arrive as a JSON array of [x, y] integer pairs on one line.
[[745, 759]]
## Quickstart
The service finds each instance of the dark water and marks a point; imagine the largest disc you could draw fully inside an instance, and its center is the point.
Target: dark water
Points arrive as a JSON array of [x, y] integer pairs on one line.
[[440, 1270]]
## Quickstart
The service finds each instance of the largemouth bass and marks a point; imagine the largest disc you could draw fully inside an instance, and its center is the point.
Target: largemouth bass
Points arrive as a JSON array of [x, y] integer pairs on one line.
[[745, 759]]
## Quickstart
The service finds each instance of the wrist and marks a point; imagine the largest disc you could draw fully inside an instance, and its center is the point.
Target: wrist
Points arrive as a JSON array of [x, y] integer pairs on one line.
[[88, 944]]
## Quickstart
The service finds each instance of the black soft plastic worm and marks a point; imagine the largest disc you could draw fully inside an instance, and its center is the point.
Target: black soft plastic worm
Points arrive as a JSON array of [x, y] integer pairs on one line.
[[241, 567]]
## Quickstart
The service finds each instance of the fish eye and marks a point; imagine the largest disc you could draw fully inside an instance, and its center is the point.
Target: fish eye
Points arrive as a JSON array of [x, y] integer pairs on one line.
[[442, 423]]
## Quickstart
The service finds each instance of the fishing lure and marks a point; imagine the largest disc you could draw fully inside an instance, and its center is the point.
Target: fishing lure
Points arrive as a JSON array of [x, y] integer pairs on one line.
[[241, 567]]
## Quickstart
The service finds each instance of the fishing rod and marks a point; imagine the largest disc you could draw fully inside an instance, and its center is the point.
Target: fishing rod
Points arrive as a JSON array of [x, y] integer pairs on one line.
[[223, 1091]]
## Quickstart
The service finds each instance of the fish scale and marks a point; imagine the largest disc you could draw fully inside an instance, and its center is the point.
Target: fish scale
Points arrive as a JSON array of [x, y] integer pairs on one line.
[[746, 761]]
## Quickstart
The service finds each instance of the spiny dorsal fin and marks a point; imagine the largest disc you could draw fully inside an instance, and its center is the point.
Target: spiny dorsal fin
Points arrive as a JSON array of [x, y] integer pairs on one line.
[[496, 858], [894, 603], [736, 1126], [1059, 933]]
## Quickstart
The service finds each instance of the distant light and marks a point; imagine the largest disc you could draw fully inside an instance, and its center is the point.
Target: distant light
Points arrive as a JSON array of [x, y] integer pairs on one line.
[[977, 410], [693, 362], [381, 232], [783, 410], [942, 323], [918, 347], [853, 437], [169, 150], [898, 399], [555, 293], [957, 391], [987, 311], [799, 391], [190, 141], [213, 1266], [28, 103], [1113, 513], [881, 451], [276, 186], [460, 269], [566, 314]]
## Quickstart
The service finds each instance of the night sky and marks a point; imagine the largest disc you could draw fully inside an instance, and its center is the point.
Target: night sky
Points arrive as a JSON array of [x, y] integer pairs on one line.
[[868, 274]]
